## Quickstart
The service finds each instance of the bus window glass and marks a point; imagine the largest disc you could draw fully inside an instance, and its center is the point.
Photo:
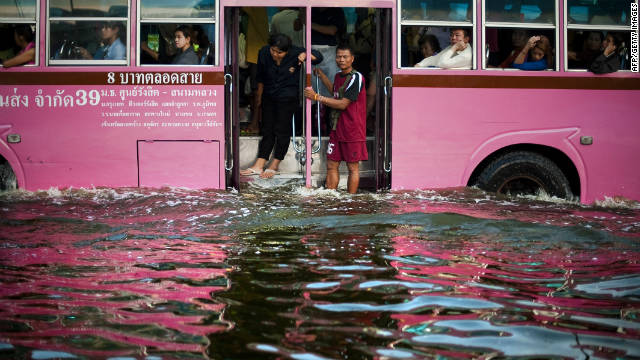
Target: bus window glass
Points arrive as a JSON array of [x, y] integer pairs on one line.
[[18, 9], [596, 28], [158, 44], [431, 47], [437, 10], [586, 45], [525, 11], [88, 8], [88, 40], [201, 9], [177, 32], [599, 12], [503, 45]]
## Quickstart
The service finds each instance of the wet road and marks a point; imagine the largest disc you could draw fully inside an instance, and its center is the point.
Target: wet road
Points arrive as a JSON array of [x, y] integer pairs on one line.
[[313, 274]]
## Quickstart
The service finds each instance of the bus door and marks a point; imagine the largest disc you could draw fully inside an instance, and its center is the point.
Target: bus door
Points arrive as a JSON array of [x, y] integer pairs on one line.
[[368, 32], [243, 117], [231, 99]]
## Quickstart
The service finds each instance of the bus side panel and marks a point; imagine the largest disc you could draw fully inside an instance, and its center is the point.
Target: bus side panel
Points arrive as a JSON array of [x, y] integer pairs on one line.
[[85, 136], [436, 132]]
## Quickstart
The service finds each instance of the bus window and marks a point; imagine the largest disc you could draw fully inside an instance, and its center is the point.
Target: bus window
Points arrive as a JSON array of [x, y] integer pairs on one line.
[[161, 23], [449, 22], [590, 27], [527, 11], [18, 33], [509, 25], [88, 32], [437, 10], [599, 12], [503, 45], [25, 9]]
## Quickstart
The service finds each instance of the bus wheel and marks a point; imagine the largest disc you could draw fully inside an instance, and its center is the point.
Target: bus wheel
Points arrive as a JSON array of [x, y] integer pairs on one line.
[[7, 177], [526, 173]]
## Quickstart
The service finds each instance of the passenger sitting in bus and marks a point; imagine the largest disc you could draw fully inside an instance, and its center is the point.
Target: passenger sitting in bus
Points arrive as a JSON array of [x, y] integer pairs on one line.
[[278, 79], [458, 55], [23, 36], [536, 54], [609, 60], [518, 41], [112, 47], [591, 48], [186, 55], [429, 45]]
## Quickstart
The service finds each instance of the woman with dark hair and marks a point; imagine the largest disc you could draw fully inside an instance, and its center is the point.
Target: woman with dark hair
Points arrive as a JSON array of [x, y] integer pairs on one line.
[[23, 36], [278, 81], [429, 45], [609, 60], [186, 55], [537, 54]]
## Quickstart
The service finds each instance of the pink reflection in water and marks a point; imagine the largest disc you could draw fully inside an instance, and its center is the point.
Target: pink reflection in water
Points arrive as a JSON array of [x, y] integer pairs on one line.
[[137, 284]]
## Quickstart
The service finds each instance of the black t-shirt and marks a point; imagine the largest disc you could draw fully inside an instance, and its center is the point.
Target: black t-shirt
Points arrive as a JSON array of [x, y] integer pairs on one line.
[[280, 81], [329, 16]]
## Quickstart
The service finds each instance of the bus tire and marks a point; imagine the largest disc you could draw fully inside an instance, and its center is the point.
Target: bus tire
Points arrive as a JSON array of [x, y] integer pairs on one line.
[[7, 176], [524, 172]]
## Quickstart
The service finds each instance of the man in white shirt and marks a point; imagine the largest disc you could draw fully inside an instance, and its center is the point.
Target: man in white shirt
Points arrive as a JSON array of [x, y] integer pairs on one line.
[[458, 55]]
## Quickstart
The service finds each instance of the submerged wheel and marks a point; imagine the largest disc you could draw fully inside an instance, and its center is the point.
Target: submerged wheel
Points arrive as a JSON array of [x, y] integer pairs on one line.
[[7, 177], [524, 172]]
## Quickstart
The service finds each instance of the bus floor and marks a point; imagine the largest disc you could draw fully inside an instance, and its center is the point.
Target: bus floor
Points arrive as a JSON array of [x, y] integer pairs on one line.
[[291, 168]]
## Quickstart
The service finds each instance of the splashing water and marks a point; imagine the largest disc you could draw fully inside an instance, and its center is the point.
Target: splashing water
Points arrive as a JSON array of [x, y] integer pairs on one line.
[[300, 273]]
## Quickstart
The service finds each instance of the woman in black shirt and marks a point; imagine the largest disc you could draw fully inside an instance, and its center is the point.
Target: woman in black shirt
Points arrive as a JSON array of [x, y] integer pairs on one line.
[[278, 90]]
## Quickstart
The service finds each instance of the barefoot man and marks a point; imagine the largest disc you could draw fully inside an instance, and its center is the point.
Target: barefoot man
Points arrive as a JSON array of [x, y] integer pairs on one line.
[[347, 139]]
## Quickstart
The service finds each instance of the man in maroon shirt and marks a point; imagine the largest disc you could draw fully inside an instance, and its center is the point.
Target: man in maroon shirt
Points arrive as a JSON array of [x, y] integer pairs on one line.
[[347, 140]]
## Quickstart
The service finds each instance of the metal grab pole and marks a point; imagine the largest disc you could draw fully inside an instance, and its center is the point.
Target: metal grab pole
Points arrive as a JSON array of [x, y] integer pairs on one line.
[[386, 119], [293, 138], [230, 77], [313, 151]]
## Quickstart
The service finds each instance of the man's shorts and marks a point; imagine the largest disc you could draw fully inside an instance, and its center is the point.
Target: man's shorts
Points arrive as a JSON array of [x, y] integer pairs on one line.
[[346, 151]]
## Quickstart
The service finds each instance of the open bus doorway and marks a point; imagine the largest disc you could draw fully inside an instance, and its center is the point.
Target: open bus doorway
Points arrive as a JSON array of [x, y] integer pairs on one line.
[[247, 30], [368, 31]]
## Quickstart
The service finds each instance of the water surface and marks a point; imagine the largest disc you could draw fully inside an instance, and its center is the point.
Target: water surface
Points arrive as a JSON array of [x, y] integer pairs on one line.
[[293, 273]]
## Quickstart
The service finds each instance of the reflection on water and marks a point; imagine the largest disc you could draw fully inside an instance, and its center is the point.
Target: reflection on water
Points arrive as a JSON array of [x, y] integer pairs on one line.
[[315, 274]]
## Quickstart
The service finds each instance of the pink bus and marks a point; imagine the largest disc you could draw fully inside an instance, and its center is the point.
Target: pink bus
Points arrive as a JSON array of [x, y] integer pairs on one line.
[[103, 103]]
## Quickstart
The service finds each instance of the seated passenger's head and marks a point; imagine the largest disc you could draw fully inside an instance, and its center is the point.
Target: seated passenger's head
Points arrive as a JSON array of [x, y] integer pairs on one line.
[[593, 41], [541, 50], [182, 37], [429, 45], [519, 38], [614, 39], [458, 35], [110, 31], [22, 34], [279, 45]]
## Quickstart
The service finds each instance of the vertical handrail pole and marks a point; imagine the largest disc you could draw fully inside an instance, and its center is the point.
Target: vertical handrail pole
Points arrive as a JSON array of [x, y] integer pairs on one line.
[[387, 80], [230, 147], [313, 151], [308, 110]]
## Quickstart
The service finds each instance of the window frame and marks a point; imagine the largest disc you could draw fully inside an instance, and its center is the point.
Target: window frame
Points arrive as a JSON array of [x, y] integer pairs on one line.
[[438, 23], [522, 25], [588, 27], [83, 62], [178, 20], [36, 34]]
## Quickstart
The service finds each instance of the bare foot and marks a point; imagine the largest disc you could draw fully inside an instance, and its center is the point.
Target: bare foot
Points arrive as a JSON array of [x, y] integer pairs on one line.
[[268, 173], [250, 172]]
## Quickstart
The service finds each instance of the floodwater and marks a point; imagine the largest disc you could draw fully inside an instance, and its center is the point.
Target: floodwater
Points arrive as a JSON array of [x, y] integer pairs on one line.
[[294, 273]]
